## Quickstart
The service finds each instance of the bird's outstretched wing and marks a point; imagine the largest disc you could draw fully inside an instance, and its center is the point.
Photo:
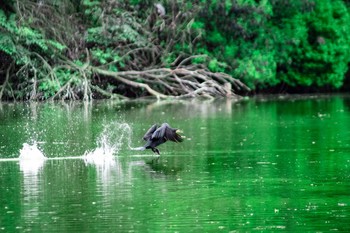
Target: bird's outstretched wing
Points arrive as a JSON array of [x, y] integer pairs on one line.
[[167, 132], [149, 133]]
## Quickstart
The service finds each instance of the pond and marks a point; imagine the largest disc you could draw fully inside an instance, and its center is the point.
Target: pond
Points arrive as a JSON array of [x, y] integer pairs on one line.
[[263, 164]]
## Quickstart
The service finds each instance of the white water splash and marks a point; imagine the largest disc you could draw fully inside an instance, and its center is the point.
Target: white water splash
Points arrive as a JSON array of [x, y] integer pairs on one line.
[[101, 156], [137, 148], [105, 157], [31, 152], [109, 144], [113, 137], [31, 159]]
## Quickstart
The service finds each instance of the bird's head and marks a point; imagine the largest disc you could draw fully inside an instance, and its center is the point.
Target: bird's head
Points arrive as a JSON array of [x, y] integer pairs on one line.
[[178, 131]]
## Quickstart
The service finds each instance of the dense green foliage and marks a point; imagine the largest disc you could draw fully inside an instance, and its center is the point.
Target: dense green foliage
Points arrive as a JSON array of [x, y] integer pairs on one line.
[[301, 42], [47, 48]]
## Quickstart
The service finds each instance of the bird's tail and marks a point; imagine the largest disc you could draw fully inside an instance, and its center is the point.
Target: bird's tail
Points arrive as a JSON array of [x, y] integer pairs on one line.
[[138, 148]]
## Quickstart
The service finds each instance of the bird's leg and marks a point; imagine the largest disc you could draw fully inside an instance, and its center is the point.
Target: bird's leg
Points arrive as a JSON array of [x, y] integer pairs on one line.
[[156, 151]]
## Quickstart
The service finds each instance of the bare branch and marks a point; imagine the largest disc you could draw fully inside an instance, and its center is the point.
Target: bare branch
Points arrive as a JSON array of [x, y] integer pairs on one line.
[[178, 82]]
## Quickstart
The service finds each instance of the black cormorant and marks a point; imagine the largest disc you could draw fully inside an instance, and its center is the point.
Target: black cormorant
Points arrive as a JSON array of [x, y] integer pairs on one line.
[[158, 135]]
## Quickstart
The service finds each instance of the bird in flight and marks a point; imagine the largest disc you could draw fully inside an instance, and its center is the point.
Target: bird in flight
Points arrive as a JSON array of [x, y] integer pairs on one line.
[[159, 135]]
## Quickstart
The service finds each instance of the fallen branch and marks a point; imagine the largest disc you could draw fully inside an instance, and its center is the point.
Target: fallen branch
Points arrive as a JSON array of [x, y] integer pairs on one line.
[[108, 94], [178, 82], [118, 76]]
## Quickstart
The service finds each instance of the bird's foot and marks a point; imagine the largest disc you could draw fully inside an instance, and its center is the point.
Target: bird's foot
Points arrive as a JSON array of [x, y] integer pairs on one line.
[[156, 151]]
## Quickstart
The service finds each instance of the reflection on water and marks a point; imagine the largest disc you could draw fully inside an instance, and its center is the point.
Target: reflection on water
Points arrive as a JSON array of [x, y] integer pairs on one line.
[[266, 164], [31, 161]]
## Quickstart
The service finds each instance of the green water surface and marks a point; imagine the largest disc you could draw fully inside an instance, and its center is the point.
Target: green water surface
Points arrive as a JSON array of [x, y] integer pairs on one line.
[[266, 164]]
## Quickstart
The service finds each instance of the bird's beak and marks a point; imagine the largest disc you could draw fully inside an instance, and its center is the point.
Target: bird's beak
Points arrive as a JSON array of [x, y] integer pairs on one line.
[[179, 131]]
